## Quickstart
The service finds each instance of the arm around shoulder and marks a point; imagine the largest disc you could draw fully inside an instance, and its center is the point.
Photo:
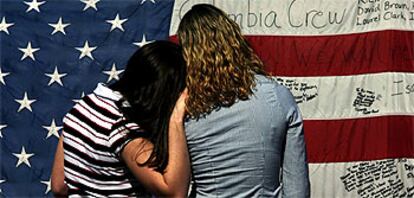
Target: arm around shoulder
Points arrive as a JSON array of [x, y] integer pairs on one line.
[[175, 179]]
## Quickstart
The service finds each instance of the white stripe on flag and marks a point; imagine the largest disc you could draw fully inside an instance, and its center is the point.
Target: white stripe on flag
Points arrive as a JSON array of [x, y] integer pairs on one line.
[[379, 178], [301, 17], [354, 96]]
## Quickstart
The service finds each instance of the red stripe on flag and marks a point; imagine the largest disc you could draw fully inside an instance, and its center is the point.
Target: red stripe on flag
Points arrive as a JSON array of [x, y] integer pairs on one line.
[[372, 52], [359, 139]]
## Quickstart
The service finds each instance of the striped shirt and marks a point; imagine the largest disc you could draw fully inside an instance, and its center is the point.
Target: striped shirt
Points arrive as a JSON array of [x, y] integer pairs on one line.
[[95, 132]]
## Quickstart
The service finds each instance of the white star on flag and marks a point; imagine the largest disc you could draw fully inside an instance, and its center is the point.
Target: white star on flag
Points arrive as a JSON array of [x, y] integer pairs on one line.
[[4, 25], [2, 181], [34, 5], [25, 103], [86, 50], [113, 73], [48, 184], [28, 51], [23, 157], [143, 41], [90, 4], [77, 100], [143, 1], [2, 126], [117, 23], [52, 129], [2, 75], [59, 26], [55, 77]]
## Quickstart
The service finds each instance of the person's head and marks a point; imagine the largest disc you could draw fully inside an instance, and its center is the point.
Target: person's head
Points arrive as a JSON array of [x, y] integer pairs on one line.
[[220, 63], [152, 82]]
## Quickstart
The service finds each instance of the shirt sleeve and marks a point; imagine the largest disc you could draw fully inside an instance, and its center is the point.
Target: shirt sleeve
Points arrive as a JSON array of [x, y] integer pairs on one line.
[[122, 133], [295, 176]]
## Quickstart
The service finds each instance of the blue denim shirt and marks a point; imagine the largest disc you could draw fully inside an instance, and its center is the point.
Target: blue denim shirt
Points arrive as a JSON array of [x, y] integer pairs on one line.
[[255, 148]]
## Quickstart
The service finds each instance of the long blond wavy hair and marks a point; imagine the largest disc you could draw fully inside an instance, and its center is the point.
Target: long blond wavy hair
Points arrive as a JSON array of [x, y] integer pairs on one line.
[[220, 63]]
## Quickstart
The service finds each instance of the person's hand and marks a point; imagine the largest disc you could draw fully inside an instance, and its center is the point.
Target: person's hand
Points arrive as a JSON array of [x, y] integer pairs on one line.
[[179, 111]]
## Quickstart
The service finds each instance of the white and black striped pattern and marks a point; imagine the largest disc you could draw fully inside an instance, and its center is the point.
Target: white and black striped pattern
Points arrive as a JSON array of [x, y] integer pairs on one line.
[[94, 134]]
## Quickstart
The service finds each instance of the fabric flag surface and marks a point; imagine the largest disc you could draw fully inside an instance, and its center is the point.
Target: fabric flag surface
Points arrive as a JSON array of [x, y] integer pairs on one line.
[[53, 52], [350, 67], [349, 64]]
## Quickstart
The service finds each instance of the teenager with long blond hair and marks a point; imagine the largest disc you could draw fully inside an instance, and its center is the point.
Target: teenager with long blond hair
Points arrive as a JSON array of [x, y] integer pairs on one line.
[[244, 132]]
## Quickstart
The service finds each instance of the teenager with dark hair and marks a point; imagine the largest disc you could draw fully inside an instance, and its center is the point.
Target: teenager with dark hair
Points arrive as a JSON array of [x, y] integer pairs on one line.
[[127, 139]]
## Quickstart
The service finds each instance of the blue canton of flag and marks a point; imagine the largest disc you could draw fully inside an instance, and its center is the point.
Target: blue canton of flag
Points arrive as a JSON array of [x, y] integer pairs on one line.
[[53, 52]]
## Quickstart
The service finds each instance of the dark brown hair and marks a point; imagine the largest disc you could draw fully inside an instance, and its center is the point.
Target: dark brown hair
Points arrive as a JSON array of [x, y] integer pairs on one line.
[[152, 82]]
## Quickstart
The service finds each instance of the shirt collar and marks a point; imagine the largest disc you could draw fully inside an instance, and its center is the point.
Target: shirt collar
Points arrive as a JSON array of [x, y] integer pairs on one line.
[[103, 91]]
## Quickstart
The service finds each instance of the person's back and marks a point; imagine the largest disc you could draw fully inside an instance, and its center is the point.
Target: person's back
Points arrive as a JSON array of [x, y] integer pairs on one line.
[[93, 130], [117, 141], [243, 127], [237, 151]]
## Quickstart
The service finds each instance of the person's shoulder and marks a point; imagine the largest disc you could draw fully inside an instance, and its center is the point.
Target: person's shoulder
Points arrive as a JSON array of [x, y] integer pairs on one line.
[[271, 82], [95, 106], [283, 94]]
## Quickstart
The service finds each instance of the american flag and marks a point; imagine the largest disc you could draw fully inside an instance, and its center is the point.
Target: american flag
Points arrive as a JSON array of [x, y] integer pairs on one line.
[[53, 52], [350, 65]]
